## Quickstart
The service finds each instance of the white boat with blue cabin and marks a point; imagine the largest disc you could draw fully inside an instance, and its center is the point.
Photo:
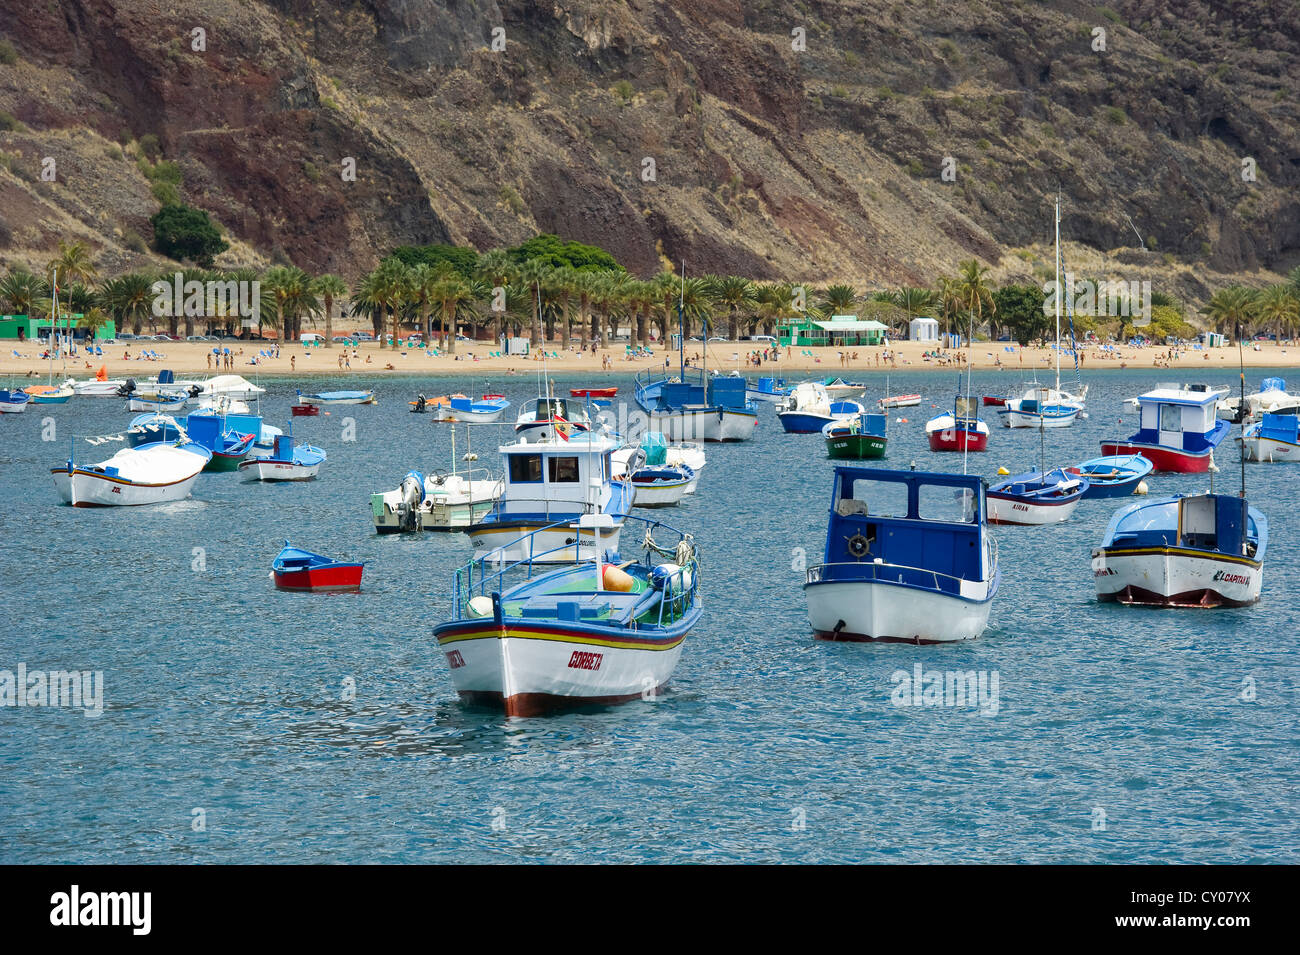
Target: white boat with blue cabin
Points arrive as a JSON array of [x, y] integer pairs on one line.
[[695, 406], [549, 485], [908, 559]]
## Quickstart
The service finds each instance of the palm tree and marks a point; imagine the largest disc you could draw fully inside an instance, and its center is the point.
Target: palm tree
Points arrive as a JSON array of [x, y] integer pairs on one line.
[[1231, 307], [585, 286], [366, 301], [564, 285], [697, 302], [329, 287], [23, 291], [299, 301], [839, 299], [535, 273], [1278, 306], [451, 293], [128, 298], [423, 279], [498, 271], [73, 263], [973, 293], [276, 282], [736, 295], [393, 287]]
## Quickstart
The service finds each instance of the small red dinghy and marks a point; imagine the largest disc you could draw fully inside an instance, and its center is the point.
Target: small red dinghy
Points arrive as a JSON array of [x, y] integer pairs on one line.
[[994, 401], [298, 569], [593, 392], [300, 410]]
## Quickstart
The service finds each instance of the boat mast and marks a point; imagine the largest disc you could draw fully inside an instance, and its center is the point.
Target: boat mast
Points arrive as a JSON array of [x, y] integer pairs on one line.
[[681, 326], [1058, 295], [54, 322], [1241, 412]]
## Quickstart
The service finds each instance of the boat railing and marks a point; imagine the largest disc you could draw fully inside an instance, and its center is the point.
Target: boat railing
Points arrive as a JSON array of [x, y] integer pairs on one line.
[[486, 575], [919, 577]]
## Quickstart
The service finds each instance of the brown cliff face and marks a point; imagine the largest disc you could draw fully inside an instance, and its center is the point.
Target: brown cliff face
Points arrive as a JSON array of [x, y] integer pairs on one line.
[[768, 161]]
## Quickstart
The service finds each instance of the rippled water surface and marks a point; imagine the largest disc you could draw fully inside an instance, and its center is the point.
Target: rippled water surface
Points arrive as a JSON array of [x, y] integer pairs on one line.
[[223, 695]]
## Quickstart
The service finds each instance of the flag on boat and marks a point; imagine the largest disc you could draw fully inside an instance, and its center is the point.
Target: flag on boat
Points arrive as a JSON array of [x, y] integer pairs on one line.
[[562, 426]]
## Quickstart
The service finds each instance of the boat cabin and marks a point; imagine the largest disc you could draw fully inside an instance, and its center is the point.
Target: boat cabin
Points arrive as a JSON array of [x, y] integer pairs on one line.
[[548, 409], [917, 523], [1221, 523], [1175, 417], [566, 477], [720, 391]]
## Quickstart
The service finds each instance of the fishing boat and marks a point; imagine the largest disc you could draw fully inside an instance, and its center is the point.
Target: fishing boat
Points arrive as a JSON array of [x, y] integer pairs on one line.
[[229, 437], [299, 411], [1036, 497], [153, 427], [908, 559], [222, 404], [656, 482], [298, 569], [289, 461], [958, 430], [770, 390], [421, 404], [695, 406], [810, 407], [839, 388], [994, 401], [338, 398], [898, 401], [1275, 437], [691, 456], [230, 386], [156, 401], [551, 481], [441, 501], [49, 394], [856, 439], [1039, 406], [1178, 430], [464, 409], [101, 386], [150, 474], [1203, 550], [591, 632], [538, 422], [13, 402], [1114, 476], [1272, 398], [609, 392]]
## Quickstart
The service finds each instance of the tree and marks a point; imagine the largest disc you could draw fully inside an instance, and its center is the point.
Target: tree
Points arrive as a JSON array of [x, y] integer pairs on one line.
[[423, 277], [23, 292], [299, 301], [451, 293], [73, 263], [462, 259], [736, 295], [1230, 307], [329, 287], [973, 292], [839, 300], [393, 288], [128, 298], [181, 232], [555, 252], [1020, 308]]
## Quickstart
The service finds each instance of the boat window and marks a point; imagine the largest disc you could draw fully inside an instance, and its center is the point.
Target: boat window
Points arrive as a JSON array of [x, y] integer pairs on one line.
[[1171, 418], [562, 470], [879, 498], [525, 468], [954, 505]]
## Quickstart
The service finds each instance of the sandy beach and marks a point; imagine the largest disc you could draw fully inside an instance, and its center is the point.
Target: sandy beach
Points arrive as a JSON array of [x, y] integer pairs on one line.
[[123, 359]]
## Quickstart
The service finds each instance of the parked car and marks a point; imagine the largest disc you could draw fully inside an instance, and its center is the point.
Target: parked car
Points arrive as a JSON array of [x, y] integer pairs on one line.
[[364, 336], [311, 337]]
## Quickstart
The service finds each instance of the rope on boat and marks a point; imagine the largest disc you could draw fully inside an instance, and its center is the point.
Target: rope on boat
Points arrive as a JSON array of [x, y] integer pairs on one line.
[[683, 554]]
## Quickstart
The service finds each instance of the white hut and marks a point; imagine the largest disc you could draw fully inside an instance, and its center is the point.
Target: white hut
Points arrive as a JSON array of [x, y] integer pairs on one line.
[[923, 330]]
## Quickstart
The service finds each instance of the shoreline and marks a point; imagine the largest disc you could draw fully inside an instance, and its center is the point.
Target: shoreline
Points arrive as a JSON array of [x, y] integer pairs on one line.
[[190, 359]]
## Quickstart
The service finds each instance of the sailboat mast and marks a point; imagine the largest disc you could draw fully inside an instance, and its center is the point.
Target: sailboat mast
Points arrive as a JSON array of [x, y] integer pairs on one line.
[[1058, 292], [681, 326]]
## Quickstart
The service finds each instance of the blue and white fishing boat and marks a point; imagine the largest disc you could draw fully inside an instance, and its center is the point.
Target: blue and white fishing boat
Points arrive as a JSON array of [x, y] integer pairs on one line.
[[549, 485], [1036, 497], [156, 400], [229, 437], [810, 408], [461, 408], [657, 481], [1040, 406], [1275, 437], [338, 398], [695, 406], [1203, 550], [771, 390], [908, 558], [595, 631], [1178, 430], [1117, 475], [13, 402], [289, 461], [150, 474]]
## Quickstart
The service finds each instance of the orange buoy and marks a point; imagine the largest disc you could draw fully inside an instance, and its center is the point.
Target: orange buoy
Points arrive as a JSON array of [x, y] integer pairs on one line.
[[619, 581]]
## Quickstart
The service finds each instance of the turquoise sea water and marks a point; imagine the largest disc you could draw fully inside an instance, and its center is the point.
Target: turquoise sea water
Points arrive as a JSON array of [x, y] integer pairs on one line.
[[226, 696]]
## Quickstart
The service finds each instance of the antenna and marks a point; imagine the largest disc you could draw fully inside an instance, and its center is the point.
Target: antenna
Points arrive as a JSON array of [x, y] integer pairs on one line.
[[1141, 241]]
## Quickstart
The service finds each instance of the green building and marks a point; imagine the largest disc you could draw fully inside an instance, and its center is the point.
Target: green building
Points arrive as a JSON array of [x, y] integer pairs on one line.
[[33, 328], [840, 330]]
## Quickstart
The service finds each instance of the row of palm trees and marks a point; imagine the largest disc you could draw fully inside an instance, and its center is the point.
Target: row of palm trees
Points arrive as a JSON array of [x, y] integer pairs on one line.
[[546, 303]]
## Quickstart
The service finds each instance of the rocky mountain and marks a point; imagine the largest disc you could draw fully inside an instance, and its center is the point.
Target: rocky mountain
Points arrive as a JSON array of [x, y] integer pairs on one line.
[[804, 140]]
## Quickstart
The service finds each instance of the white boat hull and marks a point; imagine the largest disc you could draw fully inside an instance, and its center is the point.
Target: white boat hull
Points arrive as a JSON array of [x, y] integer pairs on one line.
[[1003, 511], [265, 469], [13, 407], [98, 389], [532, 674], [1026, 419], [443, 413], [722, 425], [1267, 450], [665, 494], [873, 610], [1175, 577]]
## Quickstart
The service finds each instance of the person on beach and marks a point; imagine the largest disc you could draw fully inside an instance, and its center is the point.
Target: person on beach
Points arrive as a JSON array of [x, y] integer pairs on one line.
[[209, 361], [292, 366]]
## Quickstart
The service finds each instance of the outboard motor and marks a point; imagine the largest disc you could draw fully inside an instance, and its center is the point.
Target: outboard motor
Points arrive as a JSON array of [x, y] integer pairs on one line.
[[420, 402], [412, 494], [126, 389]]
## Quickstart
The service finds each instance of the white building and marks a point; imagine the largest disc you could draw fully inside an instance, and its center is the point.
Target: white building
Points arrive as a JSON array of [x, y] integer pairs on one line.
[[923, 330]]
